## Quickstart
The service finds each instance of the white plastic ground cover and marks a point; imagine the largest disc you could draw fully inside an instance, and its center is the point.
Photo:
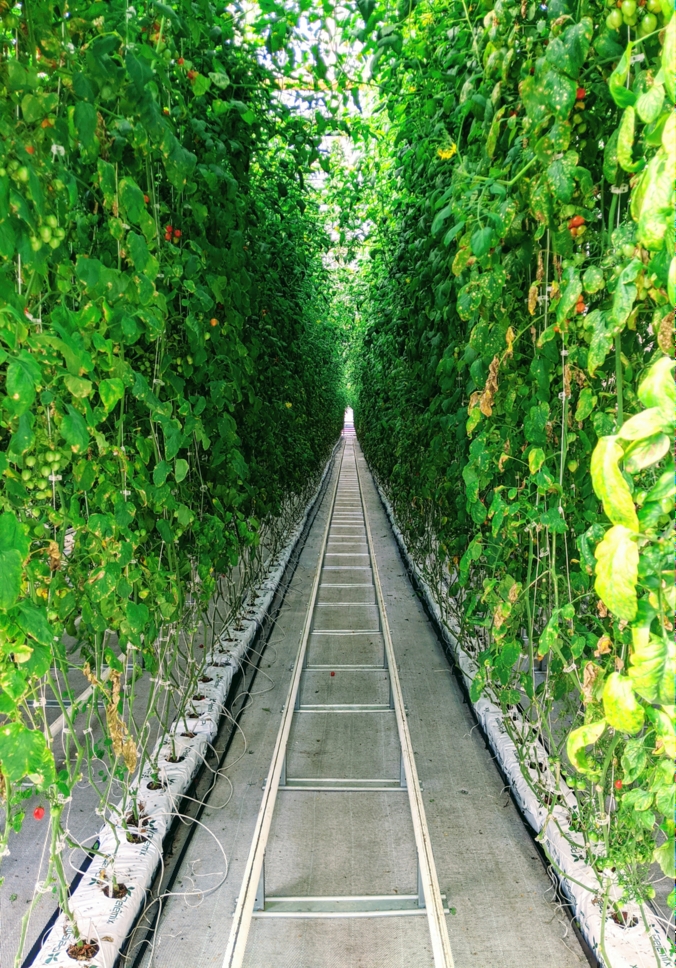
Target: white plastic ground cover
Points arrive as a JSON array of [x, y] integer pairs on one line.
[[630, 947], [108, 920]]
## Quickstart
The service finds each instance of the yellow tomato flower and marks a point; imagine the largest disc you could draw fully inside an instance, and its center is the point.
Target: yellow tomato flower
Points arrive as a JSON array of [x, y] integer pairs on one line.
[[446, 153]]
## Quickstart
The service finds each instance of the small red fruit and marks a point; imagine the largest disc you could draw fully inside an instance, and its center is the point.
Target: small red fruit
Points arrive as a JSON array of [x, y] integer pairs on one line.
[[177, 233], [168, 228], [580, 94], [213, 322], [30, 149], [39, 813], [191, 75], [181, 61], [618, 784], [576, 222], [146, 198], [580, 306], [333, 673]]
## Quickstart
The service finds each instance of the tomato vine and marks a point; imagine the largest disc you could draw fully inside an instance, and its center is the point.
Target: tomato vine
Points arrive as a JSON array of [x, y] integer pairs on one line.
[[513, 377], [173, 382]]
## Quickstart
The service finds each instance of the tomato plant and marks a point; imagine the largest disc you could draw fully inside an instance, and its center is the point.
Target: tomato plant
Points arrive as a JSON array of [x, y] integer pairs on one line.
[[172, 380], [513, 379]]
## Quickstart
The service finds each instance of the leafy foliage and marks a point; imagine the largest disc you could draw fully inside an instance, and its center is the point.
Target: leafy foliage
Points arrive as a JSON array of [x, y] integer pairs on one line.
[[515, 307]]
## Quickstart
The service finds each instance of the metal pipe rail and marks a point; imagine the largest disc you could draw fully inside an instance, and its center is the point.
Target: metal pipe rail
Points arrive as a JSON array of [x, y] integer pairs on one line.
[[253, 901]]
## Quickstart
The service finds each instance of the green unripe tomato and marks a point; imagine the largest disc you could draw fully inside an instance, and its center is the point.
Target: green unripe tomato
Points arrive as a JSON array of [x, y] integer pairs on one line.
[[631, 21], [627, 250], [54, 243], [23, 174], [614, 20], [52, 456], [36, 244], [26, 475], [3, 172], [13, 164], [45, 470], [648, 24], [51, 221], [654, 6], [59, 234], [30, 461], [45, 233], [58, 185], [577, 119], [581, 130], [628, 8]]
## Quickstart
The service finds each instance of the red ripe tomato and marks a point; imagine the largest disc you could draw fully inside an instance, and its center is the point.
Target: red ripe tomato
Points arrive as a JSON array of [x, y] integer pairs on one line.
[[213, 322], [576, 222], [580, 306], [618, 784], [177, 233], [146, 198], [580, 94], [333, 673], [181, 61], [30, 149], [191, 75], [39, 813]]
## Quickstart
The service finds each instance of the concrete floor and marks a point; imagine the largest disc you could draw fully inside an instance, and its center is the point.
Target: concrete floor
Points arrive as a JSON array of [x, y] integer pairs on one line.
[[502, 912]]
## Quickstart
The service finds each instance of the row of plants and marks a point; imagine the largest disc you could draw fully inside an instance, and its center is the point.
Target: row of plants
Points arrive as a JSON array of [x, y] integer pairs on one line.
[[172, 380], [513, 384]]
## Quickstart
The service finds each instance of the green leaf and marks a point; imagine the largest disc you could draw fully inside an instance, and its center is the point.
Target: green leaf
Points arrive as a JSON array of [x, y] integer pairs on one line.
[[111, 391], [585, 404], [621, 94], [23, 373], [36, 107], [558, 93], [569, 298], [609, 484], [625, 141], [593, 280], [652, 669], [649, 104], [32, 619], [85, 123], [14, 547], [138, 616], [580, 738], [652, 198], [617, 571], [625, 294], [451, 234], [23, 437], [201, 85], [610, 157], [161, 472], [440, 218], [568, 52], [131, 200], [622, 710], [181, 469], [601, 341], [24, 752], [657, 389], [634, 760], [561, 176], [74, 431], [220, 79], [482, 241], [138, 250]]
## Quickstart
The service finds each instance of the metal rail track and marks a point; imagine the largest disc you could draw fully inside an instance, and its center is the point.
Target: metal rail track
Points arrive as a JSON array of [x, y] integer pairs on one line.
[[253, 900]]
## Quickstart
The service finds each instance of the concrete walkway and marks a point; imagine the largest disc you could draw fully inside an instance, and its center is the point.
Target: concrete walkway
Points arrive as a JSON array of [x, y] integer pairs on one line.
[[338, 843]]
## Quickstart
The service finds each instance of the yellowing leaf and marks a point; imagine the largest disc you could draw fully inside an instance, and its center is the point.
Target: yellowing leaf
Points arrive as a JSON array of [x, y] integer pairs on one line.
[[578, 740], [620, 705], [609, 485], [617, 571], [652, 669]]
